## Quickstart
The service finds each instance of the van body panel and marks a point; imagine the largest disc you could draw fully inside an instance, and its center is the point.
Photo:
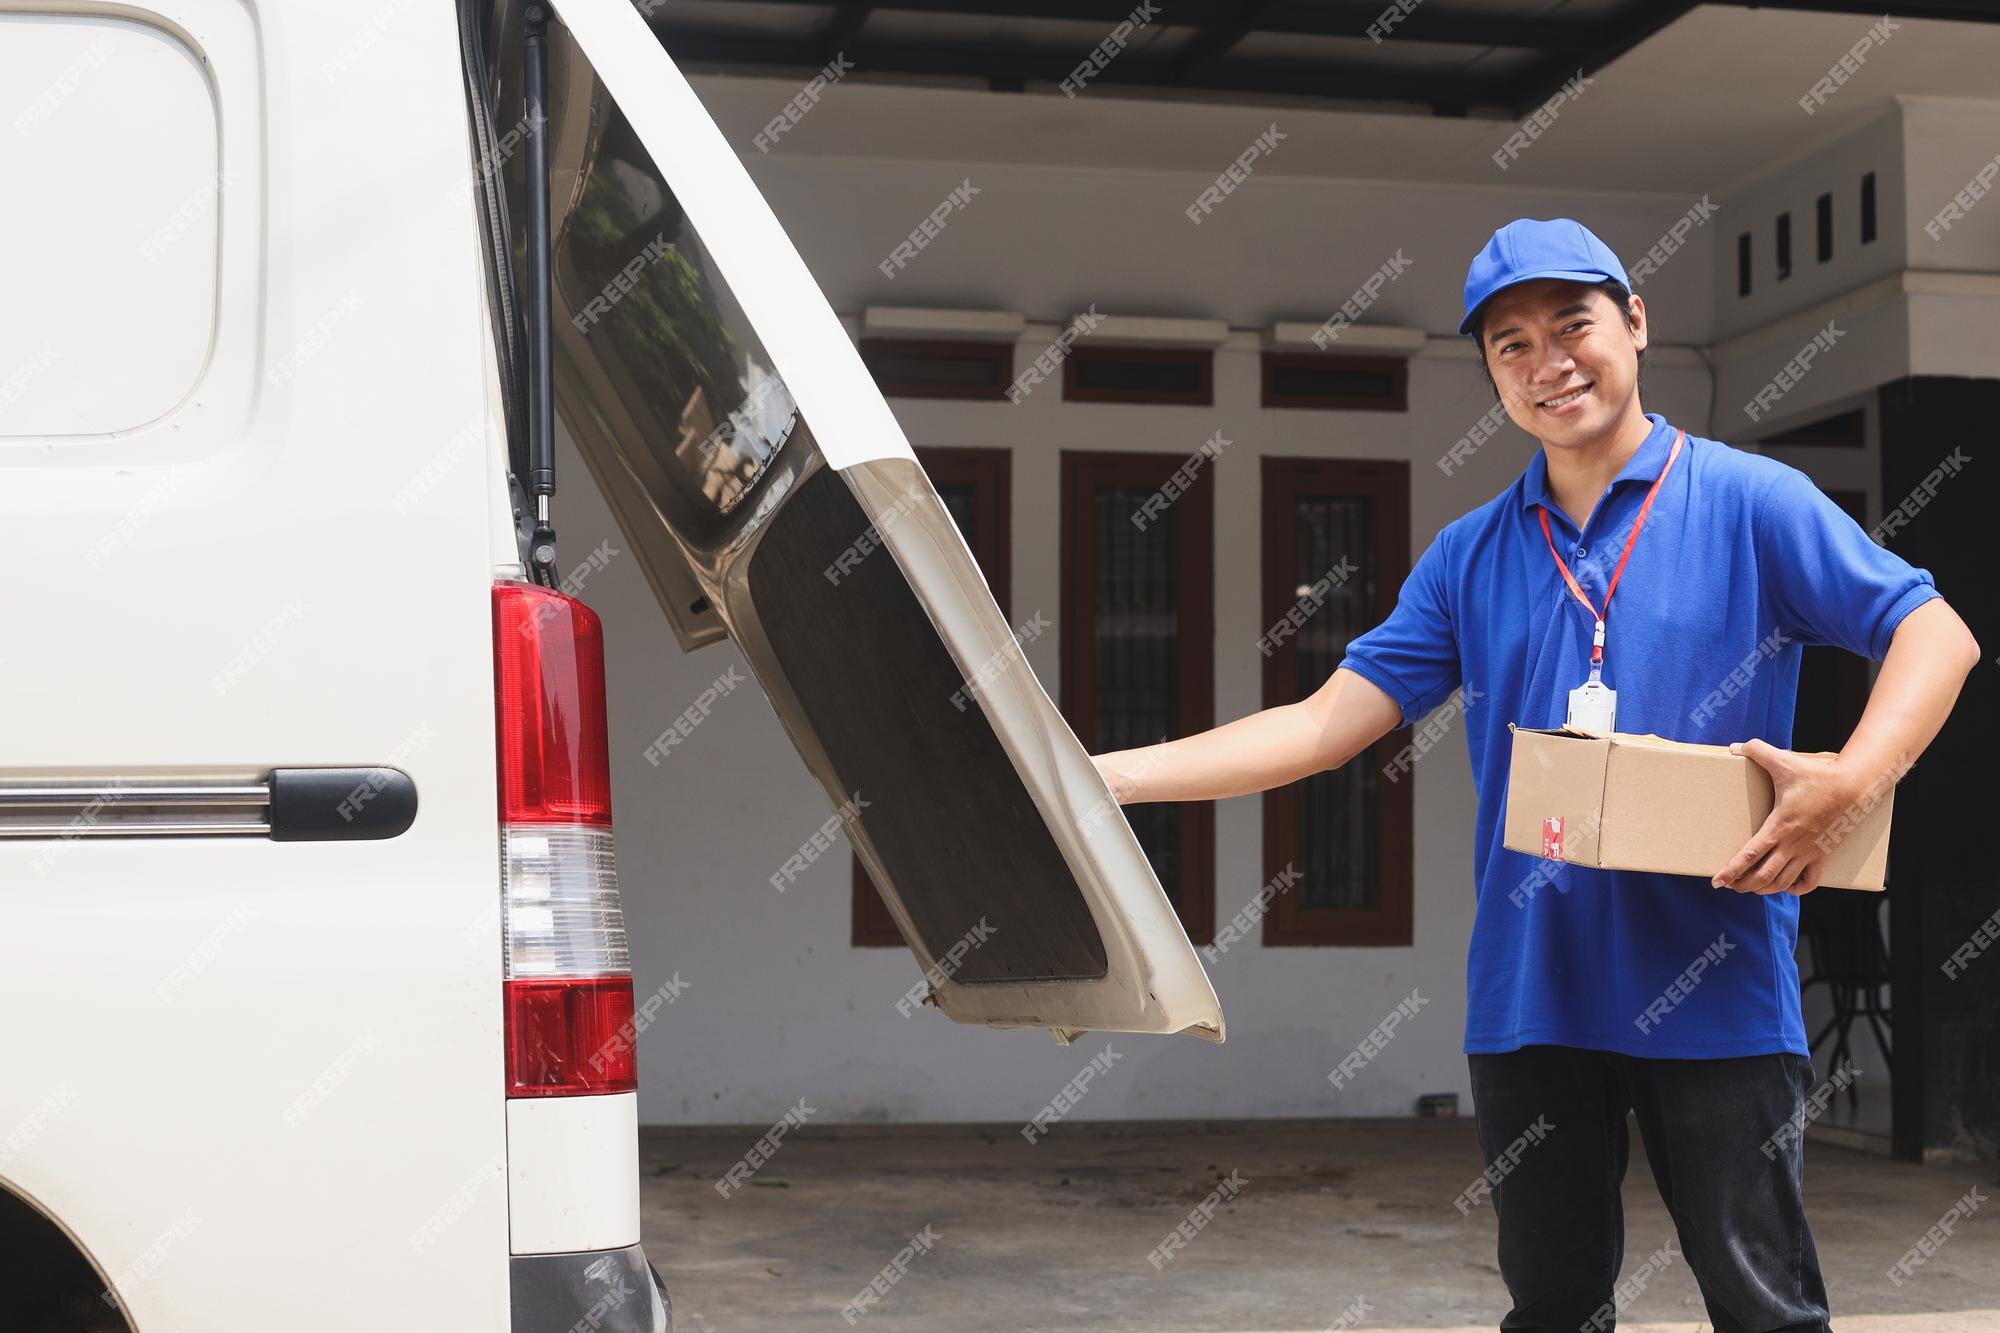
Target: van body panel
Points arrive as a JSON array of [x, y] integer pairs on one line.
[[573, 1173], [147, 215], [226, 1042]]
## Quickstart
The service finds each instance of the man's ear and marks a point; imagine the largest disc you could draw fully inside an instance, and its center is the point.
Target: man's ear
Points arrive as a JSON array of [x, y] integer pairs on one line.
[[1640, 331]]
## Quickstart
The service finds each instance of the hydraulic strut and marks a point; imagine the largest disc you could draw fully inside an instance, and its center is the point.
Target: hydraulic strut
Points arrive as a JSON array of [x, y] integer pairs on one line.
[[541, 477]]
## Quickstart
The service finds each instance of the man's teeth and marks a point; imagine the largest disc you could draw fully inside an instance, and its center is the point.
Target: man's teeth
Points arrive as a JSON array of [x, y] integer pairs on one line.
[[1571, 396]]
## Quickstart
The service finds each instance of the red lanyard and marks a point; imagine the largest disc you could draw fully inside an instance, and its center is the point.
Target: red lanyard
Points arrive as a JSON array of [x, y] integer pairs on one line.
[[1597, 636]]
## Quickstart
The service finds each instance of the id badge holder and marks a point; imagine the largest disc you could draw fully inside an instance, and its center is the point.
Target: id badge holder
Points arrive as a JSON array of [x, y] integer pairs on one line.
[[1593, 706]]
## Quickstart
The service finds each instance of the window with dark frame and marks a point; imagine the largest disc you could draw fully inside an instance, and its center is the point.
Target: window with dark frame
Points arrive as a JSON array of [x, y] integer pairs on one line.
[[1743, 264], [976, 487], [1184, 376], [1868, 208], [1336, 548], [1823, 226], [1336, 382], [1138, 592], [932, 368], [1784, 246]]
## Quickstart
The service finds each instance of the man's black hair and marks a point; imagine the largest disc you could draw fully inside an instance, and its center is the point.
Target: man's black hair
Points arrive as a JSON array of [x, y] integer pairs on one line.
[[1621, 296]]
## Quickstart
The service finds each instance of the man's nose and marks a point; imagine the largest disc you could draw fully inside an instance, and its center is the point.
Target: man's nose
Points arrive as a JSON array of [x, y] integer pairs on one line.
[[1552, 367]]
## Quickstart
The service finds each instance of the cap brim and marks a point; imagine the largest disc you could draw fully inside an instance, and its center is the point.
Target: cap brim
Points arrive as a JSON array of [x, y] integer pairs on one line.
[[1567, 274]]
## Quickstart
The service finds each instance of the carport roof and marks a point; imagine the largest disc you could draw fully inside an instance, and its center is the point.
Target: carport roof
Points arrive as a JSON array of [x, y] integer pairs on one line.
[[1452, 57]]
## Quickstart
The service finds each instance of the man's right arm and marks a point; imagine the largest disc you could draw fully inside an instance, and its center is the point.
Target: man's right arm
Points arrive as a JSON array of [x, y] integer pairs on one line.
[[1414, 652], [1270, 749]]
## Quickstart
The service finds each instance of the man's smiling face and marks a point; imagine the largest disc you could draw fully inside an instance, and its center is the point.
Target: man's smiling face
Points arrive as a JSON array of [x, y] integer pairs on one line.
[[1563, 358]]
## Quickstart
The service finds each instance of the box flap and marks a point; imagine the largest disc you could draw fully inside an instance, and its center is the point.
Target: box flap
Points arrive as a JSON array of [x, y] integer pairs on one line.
[[1649, 740], [1556, 775], [1582, 733]]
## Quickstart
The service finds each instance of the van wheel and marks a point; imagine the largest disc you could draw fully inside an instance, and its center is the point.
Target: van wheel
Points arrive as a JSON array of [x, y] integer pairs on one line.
[[46, 1284], [80, 1311]]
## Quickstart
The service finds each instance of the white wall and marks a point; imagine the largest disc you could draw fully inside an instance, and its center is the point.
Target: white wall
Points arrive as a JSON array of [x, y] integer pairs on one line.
[[1950, 140], [1794, 187], [778, 1007], [1905, 304]]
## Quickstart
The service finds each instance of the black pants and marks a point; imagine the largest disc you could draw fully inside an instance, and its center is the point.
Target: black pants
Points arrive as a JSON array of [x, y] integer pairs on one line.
[[1722, 1139]]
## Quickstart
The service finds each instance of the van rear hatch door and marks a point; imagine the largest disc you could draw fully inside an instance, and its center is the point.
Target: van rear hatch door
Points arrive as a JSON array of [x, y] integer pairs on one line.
[[769, 492]]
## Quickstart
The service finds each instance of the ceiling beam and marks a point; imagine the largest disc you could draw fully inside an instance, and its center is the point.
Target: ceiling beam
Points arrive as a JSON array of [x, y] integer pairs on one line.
[[841, 25], [1540, 81], [1959, 11], [1208, 43], [1538, 84], [1358, 82], [1210, 60], [1313, 18]]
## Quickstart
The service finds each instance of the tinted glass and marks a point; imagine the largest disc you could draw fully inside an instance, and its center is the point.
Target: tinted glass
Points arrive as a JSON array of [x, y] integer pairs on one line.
[[636, 276], [1339, 859], [1138, 652]]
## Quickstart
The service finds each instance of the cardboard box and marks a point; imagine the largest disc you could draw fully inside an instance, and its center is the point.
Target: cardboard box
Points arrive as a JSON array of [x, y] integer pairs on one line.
[[1621, 802]]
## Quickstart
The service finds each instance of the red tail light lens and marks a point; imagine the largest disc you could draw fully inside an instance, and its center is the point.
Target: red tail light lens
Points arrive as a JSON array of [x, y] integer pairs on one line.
[[548, 659], [570, 1037], [568, 975]]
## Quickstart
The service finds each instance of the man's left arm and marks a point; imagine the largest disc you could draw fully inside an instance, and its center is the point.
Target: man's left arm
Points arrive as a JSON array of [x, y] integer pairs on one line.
[[1928, 660], [1827, 577]]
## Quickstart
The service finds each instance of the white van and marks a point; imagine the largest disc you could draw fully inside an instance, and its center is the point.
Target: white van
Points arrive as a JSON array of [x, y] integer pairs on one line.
[[319, 1008]]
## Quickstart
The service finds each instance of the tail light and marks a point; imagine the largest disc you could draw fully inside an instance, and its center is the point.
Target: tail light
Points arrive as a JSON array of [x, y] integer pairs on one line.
[[567, 970]]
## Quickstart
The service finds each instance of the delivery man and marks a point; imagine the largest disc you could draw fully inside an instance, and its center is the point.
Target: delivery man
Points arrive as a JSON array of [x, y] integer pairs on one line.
[[1632, 577]]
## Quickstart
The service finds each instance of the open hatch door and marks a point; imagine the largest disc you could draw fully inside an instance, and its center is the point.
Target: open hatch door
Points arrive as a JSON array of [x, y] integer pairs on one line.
[[768, 492]]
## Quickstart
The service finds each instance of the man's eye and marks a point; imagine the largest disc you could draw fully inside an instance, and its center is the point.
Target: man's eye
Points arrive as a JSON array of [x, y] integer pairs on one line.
[[1577, 324]]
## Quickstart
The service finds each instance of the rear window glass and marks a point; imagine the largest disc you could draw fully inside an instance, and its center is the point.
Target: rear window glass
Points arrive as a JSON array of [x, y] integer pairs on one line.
[[636, 280]]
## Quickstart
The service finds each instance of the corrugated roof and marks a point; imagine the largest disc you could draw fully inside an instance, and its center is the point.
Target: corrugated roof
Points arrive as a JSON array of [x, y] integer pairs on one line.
[[1449, 57]]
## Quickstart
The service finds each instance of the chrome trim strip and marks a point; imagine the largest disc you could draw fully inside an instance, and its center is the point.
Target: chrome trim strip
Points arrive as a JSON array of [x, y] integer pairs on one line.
[[307, 804], [133, 809], [205, 797], [132, 829]]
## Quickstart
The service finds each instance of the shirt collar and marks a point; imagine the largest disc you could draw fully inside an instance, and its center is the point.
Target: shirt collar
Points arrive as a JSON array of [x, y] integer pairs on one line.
[[1644, 465]]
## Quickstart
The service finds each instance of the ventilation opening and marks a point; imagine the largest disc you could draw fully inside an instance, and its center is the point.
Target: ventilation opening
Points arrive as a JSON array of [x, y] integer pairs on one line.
[[1339, 383], [1823, 226], [1140, 375], [1784, 246], [1868, 208], [922, 368], [1743, 264]]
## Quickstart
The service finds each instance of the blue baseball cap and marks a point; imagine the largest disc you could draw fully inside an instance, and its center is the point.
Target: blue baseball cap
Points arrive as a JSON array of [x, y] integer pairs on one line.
[[1529, 248]]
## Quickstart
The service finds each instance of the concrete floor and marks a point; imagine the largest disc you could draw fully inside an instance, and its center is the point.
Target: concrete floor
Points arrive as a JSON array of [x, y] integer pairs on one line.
[[1055, 1236]]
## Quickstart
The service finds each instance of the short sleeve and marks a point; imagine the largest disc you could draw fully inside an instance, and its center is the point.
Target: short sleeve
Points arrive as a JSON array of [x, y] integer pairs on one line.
[[1825, 580], [1413, 655]]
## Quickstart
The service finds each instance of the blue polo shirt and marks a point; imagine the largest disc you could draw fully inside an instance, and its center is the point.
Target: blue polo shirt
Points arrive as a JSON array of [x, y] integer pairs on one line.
[[1741, 563]]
